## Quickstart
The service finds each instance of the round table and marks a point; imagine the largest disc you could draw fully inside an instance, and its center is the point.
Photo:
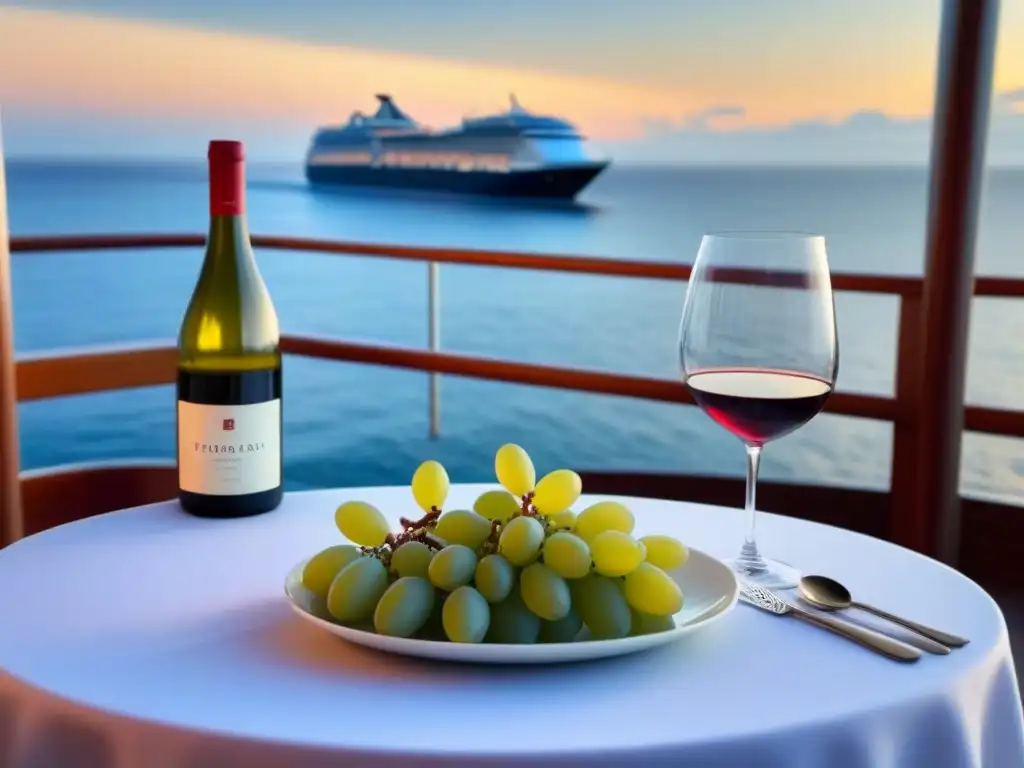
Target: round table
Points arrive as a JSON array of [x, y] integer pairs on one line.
[[150, 638]]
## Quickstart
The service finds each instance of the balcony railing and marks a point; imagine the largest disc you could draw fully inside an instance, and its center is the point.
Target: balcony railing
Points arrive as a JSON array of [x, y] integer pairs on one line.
[[80, 371], [924, 511]]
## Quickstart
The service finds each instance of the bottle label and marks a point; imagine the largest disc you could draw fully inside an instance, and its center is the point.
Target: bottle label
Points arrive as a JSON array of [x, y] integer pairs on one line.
[[229, 450]]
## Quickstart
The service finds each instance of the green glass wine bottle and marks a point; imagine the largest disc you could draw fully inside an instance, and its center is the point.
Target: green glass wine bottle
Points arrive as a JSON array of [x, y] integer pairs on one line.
[[229, 365]]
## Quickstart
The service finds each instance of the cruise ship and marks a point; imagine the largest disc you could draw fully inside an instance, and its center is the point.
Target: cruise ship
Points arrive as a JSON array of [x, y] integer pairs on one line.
[[515, 154]]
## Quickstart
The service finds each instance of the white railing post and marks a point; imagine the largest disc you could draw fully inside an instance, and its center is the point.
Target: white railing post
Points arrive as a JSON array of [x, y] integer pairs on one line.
[[434, 343]]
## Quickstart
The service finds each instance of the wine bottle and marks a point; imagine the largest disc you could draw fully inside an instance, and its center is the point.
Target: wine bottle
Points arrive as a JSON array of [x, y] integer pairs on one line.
[[229, 365]]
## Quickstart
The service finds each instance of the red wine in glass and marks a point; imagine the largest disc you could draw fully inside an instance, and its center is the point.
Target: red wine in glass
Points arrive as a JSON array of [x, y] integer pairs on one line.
[[759, 405], [759, 352]]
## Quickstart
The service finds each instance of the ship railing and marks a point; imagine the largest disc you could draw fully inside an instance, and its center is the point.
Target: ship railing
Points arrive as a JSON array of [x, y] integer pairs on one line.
[[990, 531]]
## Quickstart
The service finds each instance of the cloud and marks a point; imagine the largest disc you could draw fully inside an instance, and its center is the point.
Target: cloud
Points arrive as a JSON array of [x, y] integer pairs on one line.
[[712, 118], [115, 86], [54, 63], [863, 137], [708, 119], [1009, 102]]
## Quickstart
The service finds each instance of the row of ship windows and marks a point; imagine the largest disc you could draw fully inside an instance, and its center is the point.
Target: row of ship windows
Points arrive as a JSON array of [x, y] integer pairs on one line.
[[449, 160]]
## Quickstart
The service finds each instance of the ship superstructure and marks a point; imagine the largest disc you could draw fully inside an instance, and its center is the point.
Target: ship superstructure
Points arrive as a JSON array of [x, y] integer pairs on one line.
[[515, 153]]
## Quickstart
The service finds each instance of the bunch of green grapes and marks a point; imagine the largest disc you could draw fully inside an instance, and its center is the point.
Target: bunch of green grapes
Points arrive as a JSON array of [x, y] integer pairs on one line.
[[520, 567], [380, 577]]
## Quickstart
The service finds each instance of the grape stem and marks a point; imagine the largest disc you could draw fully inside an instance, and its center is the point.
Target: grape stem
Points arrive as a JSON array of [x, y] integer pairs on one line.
[[416, 530], [431, 541], [528, 509], [427, 521], [421, 535], [491, 543]]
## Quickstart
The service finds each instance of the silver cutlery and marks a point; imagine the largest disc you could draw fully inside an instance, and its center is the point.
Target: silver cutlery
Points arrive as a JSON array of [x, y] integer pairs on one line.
[[766, 600], [828, 594]]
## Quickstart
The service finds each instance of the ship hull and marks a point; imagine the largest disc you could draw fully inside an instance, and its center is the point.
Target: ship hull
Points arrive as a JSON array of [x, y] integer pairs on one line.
[[559, 183]]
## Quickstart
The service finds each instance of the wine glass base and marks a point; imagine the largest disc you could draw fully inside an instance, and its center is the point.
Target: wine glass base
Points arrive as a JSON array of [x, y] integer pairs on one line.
[[770, 574]]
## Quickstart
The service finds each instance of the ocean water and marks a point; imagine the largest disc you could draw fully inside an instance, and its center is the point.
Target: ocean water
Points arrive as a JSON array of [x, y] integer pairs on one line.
[[348, 424]]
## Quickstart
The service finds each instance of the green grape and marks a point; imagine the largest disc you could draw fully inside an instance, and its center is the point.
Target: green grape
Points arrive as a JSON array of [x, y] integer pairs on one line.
[[321, 569], [557, 491], [602, 606], [615, 553], [562, 631], [650, 590], [495, 578], [646, 624], [466, 616], [404, 607], [567, 555], [665, 552], [361, 523], [412, 559], [566, 519], [521, 539], [512, 622], [514, 469], [356, 589], [545, 592], [430, 485], [601, 517], [452, 567], [496, 505], [461, 526]]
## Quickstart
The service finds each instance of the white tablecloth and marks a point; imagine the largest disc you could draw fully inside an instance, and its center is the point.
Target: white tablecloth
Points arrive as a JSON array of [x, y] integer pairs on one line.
[[150, 639]]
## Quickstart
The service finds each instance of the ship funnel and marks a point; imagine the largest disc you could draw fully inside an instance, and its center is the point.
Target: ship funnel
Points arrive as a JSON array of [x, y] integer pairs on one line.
[[388, 110]]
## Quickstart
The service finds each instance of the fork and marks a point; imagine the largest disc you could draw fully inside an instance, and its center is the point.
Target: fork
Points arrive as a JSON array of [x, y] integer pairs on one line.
[[766, 600]]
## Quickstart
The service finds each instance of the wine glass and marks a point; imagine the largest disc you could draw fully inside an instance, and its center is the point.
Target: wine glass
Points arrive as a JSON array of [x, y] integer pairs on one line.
[[758, 352]]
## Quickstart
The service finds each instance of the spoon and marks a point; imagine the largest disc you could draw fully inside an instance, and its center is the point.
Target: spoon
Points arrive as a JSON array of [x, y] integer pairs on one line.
[[828, 594]]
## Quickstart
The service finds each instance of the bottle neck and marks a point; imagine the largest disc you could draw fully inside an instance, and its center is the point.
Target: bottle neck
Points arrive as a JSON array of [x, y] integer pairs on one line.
[[228, 235], [227, 186]]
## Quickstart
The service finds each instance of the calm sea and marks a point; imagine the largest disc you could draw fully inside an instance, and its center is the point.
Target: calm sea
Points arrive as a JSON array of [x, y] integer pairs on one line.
[[351, 424]]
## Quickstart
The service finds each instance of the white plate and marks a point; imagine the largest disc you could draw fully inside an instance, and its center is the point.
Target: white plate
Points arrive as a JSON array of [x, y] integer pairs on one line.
[[709, 587]]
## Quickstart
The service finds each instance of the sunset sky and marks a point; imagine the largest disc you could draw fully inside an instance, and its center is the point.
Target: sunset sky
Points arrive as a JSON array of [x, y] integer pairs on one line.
[[686, 80]]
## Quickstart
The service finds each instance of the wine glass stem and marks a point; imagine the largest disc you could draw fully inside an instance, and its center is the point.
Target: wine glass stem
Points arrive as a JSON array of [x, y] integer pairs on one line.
[[750, 559]]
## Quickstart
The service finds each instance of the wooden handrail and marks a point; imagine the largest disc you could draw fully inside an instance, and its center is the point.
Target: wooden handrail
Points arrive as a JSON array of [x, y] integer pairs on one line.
[[113, 367], [79, 371], [42, 375], [896, 285], [98, 369], [651, 270]]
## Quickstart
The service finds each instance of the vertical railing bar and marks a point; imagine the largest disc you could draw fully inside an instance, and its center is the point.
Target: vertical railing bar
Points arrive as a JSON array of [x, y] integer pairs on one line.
[[434, 344], [960, 130], [12, 525], [906, 439]]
